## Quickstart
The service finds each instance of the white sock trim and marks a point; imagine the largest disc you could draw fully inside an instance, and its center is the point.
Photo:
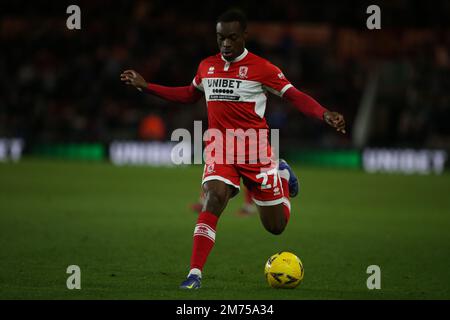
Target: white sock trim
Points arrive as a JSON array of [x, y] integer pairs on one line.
[[196, 272], [202, 229]]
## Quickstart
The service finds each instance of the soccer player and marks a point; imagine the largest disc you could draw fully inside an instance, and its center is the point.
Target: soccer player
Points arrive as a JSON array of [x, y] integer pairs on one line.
[[235, 83]]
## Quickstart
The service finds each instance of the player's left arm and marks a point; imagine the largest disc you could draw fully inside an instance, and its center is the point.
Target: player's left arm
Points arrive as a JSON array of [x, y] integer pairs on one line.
[[310, 107], [275, 82]]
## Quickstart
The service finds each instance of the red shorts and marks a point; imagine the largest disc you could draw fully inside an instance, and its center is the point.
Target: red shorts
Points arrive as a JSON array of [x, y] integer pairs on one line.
[[262, 180]]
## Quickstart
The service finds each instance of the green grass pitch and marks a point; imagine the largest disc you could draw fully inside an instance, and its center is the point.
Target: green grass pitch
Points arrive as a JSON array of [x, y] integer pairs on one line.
[[130, 231]]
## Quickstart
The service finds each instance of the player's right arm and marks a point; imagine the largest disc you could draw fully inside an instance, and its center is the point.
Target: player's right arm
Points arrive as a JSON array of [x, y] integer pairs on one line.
[[186, 94]]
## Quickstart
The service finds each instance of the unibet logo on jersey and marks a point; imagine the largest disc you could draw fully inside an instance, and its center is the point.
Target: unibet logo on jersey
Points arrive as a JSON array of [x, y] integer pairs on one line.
[[223, 89]]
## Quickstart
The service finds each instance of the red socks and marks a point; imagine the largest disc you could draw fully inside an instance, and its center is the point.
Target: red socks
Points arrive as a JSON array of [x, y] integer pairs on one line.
[[204, 238]]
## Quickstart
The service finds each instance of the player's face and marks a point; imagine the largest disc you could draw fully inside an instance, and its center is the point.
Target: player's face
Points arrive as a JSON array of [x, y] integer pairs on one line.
[[231, 39]]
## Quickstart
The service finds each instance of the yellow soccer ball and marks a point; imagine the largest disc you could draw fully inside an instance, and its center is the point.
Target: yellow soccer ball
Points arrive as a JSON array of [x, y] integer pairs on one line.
[[284, 270]]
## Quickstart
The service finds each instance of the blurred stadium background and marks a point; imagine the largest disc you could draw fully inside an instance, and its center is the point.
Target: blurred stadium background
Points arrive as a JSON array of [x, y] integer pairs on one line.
[[62, 87], [61, 97]]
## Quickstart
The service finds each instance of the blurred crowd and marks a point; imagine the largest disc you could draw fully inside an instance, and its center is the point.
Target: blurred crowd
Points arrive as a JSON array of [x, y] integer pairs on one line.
[[413, 104], [61, 85]]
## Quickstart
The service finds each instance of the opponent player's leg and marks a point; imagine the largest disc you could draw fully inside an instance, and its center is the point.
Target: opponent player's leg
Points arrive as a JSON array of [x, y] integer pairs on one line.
[[198, 206], [248, 206]]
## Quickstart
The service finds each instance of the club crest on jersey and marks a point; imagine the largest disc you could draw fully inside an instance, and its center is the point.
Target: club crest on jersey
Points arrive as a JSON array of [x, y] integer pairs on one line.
[[211, 70], [210, 168], [243, 72]]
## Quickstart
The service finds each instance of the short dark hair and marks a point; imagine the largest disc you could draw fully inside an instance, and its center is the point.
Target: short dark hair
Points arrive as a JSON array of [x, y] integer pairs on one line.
[[234, 15]]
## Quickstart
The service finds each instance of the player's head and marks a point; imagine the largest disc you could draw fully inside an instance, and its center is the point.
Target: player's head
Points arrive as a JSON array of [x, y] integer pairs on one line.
[[231, 30]]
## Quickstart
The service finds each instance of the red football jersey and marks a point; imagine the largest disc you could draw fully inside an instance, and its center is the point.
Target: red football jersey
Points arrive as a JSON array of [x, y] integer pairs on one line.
[[236, 92]]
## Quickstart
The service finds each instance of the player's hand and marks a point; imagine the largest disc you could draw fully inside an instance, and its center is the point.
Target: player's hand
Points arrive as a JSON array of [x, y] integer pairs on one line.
[[133, 78], [335, 119]]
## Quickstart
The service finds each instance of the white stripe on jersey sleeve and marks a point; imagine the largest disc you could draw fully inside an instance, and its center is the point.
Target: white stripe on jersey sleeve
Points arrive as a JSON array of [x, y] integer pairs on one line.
[[198, 86], [285, 88], [278, 93]]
